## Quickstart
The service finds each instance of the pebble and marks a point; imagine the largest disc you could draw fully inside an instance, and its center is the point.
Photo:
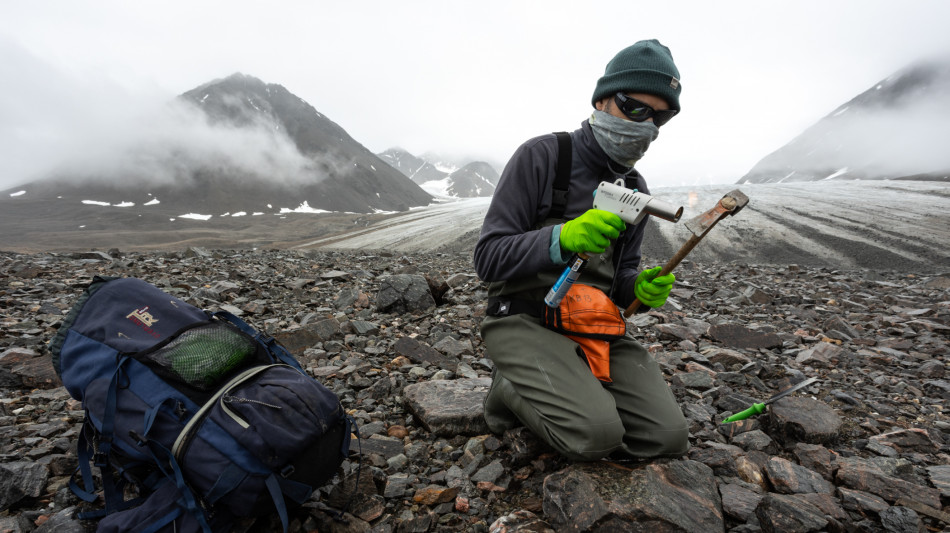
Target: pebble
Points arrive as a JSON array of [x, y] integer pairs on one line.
[[396, 338]]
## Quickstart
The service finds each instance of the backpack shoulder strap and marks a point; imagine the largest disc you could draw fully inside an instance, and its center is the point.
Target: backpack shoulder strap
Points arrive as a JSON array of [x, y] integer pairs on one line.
[[562, 176]]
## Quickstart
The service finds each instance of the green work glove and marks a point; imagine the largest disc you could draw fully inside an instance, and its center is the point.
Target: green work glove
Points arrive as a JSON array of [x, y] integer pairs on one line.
[[651, 289], [591, 232]]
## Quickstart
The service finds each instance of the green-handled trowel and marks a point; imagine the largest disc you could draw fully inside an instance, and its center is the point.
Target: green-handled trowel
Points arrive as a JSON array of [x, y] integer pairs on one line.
[[759, 408]]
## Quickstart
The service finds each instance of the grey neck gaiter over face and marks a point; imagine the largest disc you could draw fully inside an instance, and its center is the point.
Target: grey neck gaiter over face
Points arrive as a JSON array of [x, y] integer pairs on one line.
[[624, 141]]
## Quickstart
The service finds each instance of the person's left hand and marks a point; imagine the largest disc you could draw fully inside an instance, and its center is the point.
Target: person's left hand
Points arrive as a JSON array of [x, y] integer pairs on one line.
[[652, 290]]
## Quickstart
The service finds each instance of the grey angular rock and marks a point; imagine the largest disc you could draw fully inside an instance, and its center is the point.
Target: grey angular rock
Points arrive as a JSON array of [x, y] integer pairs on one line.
[[449, 408], [823, 355], [21, 479], [688, 329], [901, 520], [337, 275], [885, 381], [385, 446], [404, 293], [907, 441], [454, 347], [737, 336], [362, 327], [739, 502], [861, 502], [864, 475], [698, 380], [11, 524], [940, 477], [754, 440], [418, 352], [720, 457], [678, 496], [490, 472], [799, 419], [938, 388], [298, 340], [728, 358]]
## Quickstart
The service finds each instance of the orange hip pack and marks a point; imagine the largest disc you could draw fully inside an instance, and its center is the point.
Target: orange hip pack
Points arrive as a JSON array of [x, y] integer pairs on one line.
[[589, 318]]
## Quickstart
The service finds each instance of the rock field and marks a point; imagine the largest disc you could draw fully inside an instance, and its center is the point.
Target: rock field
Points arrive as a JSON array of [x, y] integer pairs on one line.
[[864, 449]]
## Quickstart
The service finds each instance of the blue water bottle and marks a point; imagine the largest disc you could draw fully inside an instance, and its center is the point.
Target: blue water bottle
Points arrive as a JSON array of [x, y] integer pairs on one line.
[[567, 279]]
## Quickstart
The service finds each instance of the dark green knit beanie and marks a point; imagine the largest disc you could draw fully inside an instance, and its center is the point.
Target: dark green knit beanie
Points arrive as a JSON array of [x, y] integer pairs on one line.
[[644, 67]]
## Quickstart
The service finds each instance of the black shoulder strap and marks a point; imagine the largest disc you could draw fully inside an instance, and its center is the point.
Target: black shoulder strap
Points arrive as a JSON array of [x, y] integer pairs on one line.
[[562, 178]]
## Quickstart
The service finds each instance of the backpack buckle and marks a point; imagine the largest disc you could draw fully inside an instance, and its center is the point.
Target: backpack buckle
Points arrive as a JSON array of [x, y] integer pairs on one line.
[[287, 471], [139, 439], [100, 460], [181, 411]]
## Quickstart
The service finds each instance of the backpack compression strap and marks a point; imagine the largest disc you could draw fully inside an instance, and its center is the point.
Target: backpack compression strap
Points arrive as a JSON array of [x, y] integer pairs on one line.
[[562, 177]]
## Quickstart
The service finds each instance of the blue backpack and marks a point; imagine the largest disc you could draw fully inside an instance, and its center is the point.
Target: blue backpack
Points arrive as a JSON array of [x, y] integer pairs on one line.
[[208, 418]]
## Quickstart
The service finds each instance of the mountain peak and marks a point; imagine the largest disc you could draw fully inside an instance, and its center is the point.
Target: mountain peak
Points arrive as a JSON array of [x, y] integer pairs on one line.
[[896, 129], [241, 146], [441, 178], [234, 81]]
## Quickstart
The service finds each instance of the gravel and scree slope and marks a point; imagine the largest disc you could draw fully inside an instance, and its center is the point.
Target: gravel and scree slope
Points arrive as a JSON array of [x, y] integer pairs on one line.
[[395, 335]]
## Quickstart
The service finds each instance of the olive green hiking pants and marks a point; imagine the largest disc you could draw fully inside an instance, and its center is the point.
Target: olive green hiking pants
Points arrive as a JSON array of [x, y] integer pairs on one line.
[[541, 380]]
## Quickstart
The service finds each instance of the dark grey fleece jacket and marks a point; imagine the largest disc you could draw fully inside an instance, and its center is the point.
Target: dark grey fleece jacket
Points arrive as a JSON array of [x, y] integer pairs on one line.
[[516, 235]]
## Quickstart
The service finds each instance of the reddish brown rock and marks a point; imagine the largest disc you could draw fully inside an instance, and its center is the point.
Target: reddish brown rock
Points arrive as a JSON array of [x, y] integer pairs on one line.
[[398, 432], [435, 494], [816, 458], [22, 367], [787, 477]]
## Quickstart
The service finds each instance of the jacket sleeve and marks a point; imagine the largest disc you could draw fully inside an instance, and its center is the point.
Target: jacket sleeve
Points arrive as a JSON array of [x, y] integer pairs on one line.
[[509, 245]]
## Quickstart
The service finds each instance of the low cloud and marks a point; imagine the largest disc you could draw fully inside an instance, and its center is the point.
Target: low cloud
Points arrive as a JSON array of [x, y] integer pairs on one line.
[[907, 139], [55, 123], [900, 137], [173, 141]]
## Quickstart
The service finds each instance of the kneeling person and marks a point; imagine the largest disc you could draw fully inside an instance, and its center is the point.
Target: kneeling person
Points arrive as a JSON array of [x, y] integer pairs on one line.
[[542, 377]]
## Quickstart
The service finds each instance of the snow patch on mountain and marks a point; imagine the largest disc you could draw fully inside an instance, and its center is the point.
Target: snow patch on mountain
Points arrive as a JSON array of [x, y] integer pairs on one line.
[[444, 179]]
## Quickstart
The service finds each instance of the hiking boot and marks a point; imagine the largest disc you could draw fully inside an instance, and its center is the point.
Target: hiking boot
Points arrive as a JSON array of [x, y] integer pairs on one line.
[[497, 415]]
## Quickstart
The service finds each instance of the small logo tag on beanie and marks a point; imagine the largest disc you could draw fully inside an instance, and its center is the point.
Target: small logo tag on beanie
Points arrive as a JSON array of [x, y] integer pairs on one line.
[[674, 83]]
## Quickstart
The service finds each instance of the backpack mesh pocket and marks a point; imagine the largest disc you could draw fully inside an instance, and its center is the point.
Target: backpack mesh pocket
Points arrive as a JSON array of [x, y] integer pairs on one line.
[[201, 357]]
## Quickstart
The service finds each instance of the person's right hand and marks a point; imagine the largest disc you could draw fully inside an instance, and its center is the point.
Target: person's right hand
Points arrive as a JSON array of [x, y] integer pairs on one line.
[[591, 232]]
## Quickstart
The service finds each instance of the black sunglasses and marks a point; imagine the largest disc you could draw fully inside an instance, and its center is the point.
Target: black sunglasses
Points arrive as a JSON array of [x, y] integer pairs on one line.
[[637, 111]]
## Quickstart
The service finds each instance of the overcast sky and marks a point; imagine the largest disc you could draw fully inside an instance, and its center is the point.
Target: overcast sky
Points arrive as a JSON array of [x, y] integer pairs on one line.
[[462, 78]]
